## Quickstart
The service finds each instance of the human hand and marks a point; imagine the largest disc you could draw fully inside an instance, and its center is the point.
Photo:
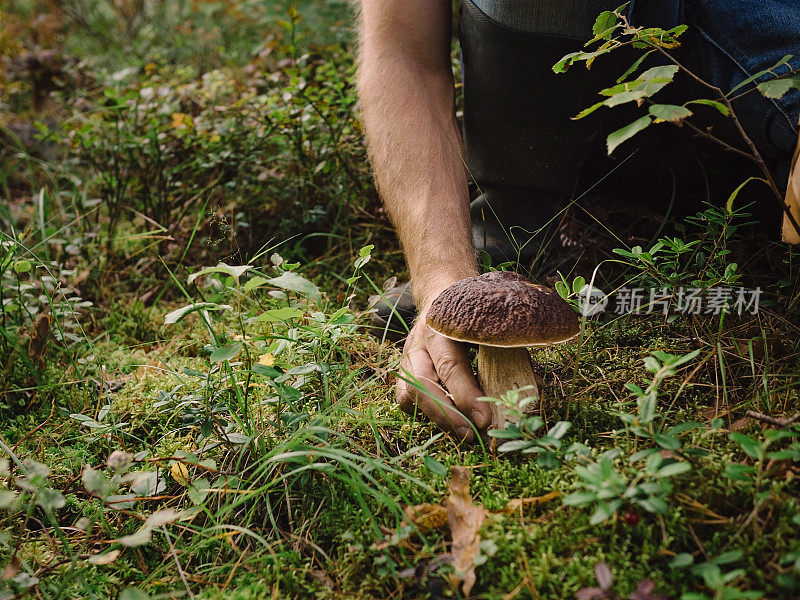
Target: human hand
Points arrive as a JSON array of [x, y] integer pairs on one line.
[[442, 368]]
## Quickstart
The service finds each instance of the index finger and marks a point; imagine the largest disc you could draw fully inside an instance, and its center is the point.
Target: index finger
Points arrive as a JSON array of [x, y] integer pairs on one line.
[[453, 366]]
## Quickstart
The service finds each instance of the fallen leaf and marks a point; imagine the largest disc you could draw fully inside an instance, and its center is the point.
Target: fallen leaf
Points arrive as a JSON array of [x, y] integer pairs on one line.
[[518, 504], [11, 570], [426, 516], [40, 332], [465, 519], [104, 559], [180, 473], [268, 360]]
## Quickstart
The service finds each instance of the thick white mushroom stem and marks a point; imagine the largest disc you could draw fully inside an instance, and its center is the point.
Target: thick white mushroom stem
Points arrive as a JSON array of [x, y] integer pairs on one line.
[[504, 369]]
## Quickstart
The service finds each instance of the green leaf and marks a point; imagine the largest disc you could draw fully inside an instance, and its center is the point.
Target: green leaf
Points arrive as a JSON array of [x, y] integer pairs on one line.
[[562, 289], [750, 446], [625, 97], [234, 272], [647, 408], [713, 103], [559, 429], [95, 482], [133, 593], [566, 62], [669, 112], [760, 74], [606, 20], [668, 442], [654, 504], [198, 491], [578, 283], [50, 499], [735, 193], [727, 558], [587, 111], [295, 283], [280, 314], [627, 132], [515, 445], [177, 315], [22, 266], [673, 469], [434, 466], [226, 352], [739, 472], [679, 561], [580, 499], [253, 283], [634, 66], [776, 88]]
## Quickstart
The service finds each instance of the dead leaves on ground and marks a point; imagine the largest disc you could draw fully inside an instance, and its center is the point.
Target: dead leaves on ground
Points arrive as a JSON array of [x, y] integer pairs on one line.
[[465, 519]]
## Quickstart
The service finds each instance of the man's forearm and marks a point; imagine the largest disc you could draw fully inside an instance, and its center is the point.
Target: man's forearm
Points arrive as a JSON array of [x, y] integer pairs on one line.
[[416, 153]]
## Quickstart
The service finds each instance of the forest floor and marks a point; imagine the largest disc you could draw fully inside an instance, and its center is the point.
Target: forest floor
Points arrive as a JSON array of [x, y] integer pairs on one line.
[[192, 405]]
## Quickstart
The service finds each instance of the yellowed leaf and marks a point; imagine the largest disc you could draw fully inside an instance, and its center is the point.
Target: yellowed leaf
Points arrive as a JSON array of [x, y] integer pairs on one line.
[[180, 473], [268, 360]]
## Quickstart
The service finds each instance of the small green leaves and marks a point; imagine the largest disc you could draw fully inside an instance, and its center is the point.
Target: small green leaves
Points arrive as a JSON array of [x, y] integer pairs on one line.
[[364, 256], [625, 133]]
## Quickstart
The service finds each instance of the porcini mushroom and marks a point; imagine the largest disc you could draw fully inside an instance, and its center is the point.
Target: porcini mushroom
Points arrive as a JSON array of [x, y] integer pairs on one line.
[[503, 313]]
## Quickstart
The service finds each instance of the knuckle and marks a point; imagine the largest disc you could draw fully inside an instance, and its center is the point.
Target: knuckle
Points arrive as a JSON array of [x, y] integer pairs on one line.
[[447, 367]]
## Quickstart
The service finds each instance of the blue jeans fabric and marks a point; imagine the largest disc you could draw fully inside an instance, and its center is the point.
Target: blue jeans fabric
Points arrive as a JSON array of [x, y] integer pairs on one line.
[[727, 42], [730, 40]]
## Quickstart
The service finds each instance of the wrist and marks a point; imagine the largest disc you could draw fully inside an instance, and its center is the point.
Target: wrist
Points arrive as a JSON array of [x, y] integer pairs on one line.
[[427, 287]]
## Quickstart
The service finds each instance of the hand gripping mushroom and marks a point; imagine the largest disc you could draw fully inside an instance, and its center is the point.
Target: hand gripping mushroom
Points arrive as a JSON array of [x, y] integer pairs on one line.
[[503, 313]]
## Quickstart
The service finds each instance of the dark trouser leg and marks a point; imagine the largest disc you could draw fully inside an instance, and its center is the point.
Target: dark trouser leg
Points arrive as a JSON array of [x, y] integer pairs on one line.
[[730, 40], [523, 149]]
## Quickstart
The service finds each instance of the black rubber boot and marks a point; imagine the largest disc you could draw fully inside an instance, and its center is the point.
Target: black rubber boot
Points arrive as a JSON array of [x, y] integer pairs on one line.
[[394, 313], [514, 225]]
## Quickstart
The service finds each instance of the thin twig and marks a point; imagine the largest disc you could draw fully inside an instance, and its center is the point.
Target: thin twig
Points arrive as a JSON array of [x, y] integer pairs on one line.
[[776, 421], [177, 563]]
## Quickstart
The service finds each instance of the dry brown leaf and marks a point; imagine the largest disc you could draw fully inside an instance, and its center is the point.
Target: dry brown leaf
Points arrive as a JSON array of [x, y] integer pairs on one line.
[[11, 570], [518, 504], [426, 516], [465, 519], [104, 559], [40, 333]]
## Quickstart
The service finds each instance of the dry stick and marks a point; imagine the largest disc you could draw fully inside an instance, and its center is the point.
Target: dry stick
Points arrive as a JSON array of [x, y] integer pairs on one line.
[[177, 563], [776, 421]]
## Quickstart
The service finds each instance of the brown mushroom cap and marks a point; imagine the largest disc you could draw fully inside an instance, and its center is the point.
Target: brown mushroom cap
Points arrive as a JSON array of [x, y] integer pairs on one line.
[[502, 309]]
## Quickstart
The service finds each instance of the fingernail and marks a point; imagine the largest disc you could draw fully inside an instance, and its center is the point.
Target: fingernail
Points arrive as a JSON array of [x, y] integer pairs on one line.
[[465, 433]]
